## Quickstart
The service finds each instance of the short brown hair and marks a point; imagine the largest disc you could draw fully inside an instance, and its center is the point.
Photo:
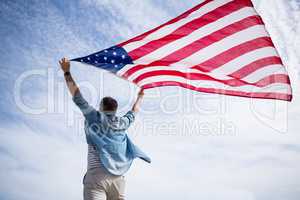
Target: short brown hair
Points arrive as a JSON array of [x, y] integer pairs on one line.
[[109, 104]]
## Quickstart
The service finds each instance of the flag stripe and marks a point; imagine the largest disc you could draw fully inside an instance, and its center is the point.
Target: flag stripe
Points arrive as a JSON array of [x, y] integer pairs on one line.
[[258, 64], [251, 77], [214, 49], [245, 59], [180, 69], [274, 87], [201, 43], [263, 95], [187, 28], [223, 45], [233, 53], [200, 33], [278, 78], [263, 72]]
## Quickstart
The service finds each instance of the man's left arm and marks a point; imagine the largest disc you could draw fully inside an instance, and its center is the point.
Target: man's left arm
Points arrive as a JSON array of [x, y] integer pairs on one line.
[[129, 117]]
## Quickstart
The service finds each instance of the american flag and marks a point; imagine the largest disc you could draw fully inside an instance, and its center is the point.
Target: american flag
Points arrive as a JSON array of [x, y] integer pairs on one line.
[[219, 46]]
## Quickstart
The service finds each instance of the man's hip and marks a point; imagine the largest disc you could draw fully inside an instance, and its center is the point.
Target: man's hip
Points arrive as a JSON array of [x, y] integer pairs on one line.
[[99, 185]]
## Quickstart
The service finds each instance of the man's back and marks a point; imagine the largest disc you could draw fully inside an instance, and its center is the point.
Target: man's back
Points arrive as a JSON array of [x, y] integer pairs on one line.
[[110, 151]]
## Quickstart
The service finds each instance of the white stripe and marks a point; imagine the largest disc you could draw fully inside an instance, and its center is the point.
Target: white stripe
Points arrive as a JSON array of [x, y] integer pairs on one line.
[[251, 78], [125, 69], [275, 87], [196, 35], [166, 30], [264, 72], [223, 45], [245, 59], [180, 69], [216, 48]]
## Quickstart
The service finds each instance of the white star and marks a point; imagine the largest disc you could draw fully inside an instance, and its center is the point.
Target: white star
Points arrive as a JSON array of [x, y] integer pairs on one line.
[[81, 60], [96, 55], [96, 61], [116, 66], [123, 56], [105, 51], [88, 58], [114, 53], [105, 58], [112, 61]]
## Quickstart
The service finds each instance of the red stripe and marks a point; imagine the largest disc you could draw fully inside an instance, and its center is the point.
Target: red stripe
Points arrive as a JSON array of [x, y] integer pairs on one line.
[[187, 28], [274, 78], [277, 78], [233, 53], [261, 95], [200, 44], [184, 15], [258, 64]]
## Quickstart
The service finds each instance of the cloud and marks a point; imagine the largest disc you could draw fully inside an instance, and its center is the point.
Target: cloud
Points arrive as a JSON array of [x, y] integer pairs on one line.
[[124, 23], [39, 164]]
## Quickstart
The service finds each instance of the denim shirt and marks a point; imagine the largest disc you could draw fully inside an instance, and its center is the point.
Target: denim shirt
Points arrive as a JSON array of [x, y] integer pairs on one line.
[[107, 133]]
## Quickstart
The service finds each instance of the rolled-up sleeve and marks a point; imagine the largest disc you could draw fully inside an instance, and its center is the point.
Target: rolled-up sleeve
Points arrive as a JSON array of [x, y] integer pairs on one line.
[[88, 111], [128, 119]]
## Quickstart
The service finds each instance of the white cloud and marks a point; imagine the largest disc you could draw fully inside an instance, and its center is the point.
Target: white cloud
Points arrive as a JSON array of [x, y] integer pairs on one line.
[[128, 18]]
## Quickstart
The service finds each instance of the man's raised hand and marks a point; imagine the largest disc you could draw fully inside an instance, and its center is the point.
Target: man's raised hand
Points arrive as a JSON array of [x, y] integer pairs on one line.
[[141, 93], [136, 105], [65, 64]]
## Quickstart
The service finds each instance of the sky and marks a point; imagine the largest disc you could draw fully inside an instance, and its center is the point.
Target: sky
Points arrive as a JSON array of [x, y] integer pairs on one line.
[[203, 146]]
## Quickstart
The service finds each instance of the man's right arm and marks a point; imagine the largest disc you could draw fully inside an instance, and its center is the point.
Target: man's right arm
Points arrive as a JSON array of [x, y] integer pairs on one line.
[[65, 66], [88, 111]]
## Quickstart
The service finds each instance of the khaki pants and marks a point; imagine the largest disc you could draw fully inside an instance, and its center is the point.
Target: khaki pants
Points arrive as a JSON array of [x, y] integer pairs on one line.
[[98, 185]]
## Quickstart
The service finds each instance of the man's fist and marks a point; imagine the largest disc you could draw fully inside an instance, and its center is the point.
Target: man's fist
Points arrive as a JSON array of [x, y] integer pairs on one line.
[[141, 93], [65, 64]]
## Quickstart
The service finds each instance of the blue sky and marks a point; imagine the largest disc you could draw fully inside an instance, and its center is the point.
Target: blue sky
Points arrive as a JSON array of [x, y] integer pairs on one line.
[[203, 146]]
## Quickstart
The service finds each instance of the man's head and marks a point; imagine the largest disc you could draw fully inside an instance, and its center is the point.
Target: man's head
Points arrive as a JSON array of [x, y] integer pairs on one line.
[[109, 105]]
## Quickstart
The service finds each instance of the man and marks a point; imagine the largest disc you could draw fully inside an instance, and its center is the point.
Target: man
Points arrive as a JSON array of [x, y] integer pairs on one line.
[[110, 151]]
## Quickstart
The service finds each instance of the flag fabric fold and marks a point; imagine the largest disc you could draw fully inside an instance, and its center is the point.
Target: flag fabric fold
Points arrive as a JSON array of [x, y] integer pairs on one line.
[[219, 46]]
